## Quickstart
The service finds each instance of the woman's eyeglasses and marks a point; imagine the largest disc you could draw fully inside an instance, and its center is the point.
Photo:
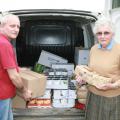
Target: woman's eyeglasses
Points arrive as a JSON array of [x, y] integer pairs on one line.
[[102, 33]]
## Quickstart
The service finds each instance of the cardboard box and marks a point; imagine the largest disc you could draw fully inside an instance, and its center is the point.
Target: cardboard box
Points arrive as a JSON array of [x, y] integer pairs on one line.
[[81, 56], [68, 66], [18, 102], [40, 103], [63, 103], [47, 59], [34, 81], [57, 83], [47, 95], [64, 94]]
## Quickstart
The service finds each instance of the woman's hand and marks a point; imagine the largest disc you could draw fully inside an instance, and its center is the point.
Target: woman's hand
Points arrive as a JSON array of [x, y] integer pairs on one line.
[[108, 86], [79, 80]]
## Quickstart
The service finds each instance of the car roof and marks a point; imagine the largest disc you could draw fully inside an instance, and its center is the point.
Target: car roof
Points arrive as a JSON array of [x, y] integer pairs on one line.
[[85, 5]]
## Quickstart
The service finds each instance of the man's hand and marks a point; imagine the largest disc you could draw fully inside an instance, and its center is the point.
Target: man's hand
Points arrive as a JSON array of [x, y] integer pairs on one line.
[[27, 95], [23, 68]]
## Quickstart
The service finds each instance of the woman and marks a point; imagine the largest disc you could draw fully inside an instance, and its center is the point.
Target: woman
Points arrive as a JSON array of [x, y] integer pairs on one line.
[[103, 101]]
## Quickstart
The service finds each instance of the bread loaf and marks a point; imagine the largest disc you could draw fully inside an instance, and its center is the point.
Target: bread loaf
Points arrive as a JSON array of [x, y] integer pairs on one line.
[[90, 76]]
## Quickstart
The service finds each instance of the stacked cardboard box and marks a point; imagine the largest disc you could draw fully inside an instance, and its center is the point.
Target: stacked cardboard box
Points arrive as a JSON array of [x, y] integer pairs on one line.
[[58, 81], [58, 74]]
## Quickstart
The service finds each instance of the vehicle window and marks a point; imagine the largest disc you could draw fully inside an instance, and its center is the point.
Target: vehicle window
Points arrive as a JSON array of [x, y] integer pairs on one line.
[[115, 4]]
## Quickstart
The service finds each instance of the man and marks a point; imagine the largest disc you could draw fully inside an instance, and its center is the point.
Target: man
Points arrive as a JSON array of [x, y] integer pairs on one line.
[[9, 72]]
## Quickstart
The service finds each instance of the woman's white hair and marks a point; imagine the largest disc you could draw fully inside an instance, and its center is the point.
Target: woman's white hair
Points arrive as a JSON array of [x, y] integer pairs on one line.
[[103, 21]]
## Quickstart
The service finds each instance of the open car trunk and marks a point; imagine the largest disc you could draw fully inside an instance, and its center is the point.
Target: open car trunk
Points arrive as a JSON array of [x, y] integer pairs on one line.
[[55, 31], [58, 32]]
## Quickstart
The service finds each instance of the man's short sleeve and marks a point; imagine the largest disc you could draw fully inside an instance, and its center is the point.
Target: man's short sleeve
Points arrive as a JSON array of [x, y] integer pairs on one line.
[[7, 58]]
